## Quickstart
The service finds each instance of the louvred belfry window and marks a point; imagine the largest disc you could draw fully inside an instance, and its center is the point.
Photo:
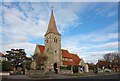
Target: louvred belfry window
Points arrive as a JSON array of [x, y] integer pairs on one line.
[[47, 40], [55, 40], [55, 51]]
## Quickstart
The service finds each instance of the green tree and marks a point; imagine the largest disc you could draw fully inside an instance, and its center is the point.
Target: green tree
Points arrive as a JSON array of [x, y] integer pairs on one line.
[[91, 66], [6, 65], [17, 58]]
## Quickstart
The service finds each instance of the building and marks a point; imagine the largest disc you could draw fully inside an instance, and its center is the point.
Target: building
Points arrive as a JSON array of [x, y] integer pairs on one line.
[[56, 56], [2, 57], [108, 65]]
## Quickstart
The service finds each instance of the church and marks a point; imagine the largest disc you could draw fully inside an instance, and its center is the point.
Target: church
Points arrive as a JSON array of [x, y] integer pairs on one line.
[[57, 56]]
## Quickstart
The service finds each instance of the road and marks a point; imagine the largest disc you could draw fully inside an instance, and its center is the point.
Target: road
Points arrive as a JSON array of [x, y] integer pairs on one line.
[[109, 77]]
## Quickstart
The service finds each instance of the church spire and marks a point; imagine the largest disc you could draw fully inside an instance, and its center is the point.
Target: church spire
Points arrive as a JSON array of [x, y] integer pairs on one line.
[[52, 25]]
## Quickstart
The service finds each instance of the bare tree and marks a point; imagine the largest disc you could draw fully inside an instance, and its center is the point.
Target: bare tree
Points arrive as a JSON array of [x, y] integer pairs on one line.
[[113, 57], [39, 59]]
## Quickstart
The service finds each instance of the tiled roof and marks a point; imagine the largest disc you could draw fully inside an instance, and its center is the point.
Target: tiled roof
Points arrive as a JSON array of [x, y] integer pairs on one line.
[[69, 63], [106, 64], [41, 47], [103, 63], [75, 58], [66, 54]]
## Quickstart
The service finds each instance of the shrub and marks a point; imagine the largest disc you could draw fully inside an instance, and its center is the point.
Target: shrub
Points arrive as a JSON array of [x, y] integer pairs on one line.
[[6, 66], [65, 67], [75, 69]]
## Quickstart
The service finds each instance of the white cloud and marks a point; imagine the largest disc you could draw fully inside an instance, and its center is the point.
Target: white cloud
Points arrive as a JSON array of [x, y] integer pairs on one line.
[[64, 20], [29, 47], [19, 28], [92, 37], [110, 45], [94, 56], [86, 45], [96, 53]]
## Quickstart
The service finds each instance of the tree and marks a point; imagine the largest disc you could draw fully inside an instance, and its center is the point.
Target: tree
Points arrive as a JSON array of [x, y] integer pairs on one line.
[[113, 57], [6, 65], [39, 59], [91, 66], [28, 62], [33, 65], [17, 58]]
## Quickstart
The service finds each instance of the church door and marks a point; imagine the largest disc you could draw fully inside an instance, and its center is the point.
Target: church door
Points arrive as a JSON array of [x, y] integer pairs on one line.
[[55, 68]]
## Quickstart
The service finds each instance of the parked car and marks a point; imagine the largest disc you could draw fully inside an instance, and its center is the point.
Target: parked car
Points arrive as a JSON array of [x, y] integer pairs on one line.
[[108, 70]]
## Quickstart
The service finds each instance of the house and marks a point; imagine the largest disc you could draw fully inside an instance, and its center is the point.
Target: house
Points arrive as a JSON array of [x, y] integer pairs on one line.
[[2, 57], [108, 65]]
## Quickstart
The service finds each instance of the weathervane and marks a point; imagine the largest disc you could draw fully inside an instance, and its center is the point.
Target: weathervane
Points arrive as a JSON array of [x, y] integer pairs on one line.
[[52, 9]]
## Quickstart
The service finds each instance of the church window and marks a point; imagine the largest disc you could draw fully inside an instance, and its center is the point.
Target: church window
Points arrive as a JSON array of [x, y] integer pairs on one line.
[[55, 40], [47, 49], [47, 40], [55, 51]]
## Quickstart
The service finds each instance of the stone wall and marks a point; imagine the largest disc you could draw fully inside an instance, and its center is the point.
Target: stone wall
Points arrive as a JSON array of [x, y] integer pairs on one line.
[[65, 72]]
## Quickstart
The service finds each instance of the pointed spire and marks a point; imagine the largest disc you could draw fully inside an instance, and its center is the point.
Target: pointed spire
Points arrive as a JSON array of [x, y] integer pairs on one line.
[[52, 25]]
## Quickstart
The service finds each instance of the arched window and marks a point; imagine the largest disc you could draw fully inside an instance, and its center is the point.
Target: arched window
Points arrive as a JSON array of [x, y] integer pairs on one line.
[[47, 40], [55, 40], [55, 51], [47, 49]]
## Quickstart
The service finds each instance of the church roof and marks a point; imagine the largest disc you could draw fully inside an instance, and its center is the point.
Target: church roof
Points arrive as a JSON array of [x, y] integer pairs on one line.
[[65, 54], [41, 48], [52, 26], [75, 58], [69, 63]]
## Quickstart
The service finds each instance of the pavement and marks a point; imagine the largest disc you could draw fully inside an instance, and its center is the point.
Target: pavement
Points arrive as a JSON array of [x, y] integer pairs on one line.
[[106, 76], [61, 76], [18, 77]]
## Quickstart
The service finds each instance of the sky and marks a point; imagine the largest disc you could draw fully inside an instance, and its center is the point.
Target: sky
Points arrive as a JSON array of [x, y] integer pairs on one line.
[[89, 29]]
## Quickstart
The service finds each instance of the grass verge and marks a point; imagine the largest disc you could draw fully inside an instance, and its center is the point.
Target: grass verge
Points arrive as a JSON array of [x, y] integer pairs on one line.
[[78, 74], [39, 76]]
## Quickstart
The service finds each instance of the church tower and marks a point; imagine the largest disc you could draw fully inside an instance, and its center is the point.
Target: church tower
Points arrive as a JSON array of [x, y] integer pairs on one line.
[[52, 46]]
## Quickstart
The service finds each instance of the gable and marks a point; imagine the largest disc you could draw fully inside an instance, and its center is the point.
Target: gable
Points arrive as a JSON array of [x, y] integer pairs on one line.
[[65, 54], [41, 48], [75, 58]]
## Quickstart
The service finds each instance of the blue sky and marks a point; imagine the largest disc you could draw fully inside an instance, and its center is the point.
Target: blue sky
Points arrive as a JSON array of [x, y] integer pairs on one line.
[[89, 29]]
